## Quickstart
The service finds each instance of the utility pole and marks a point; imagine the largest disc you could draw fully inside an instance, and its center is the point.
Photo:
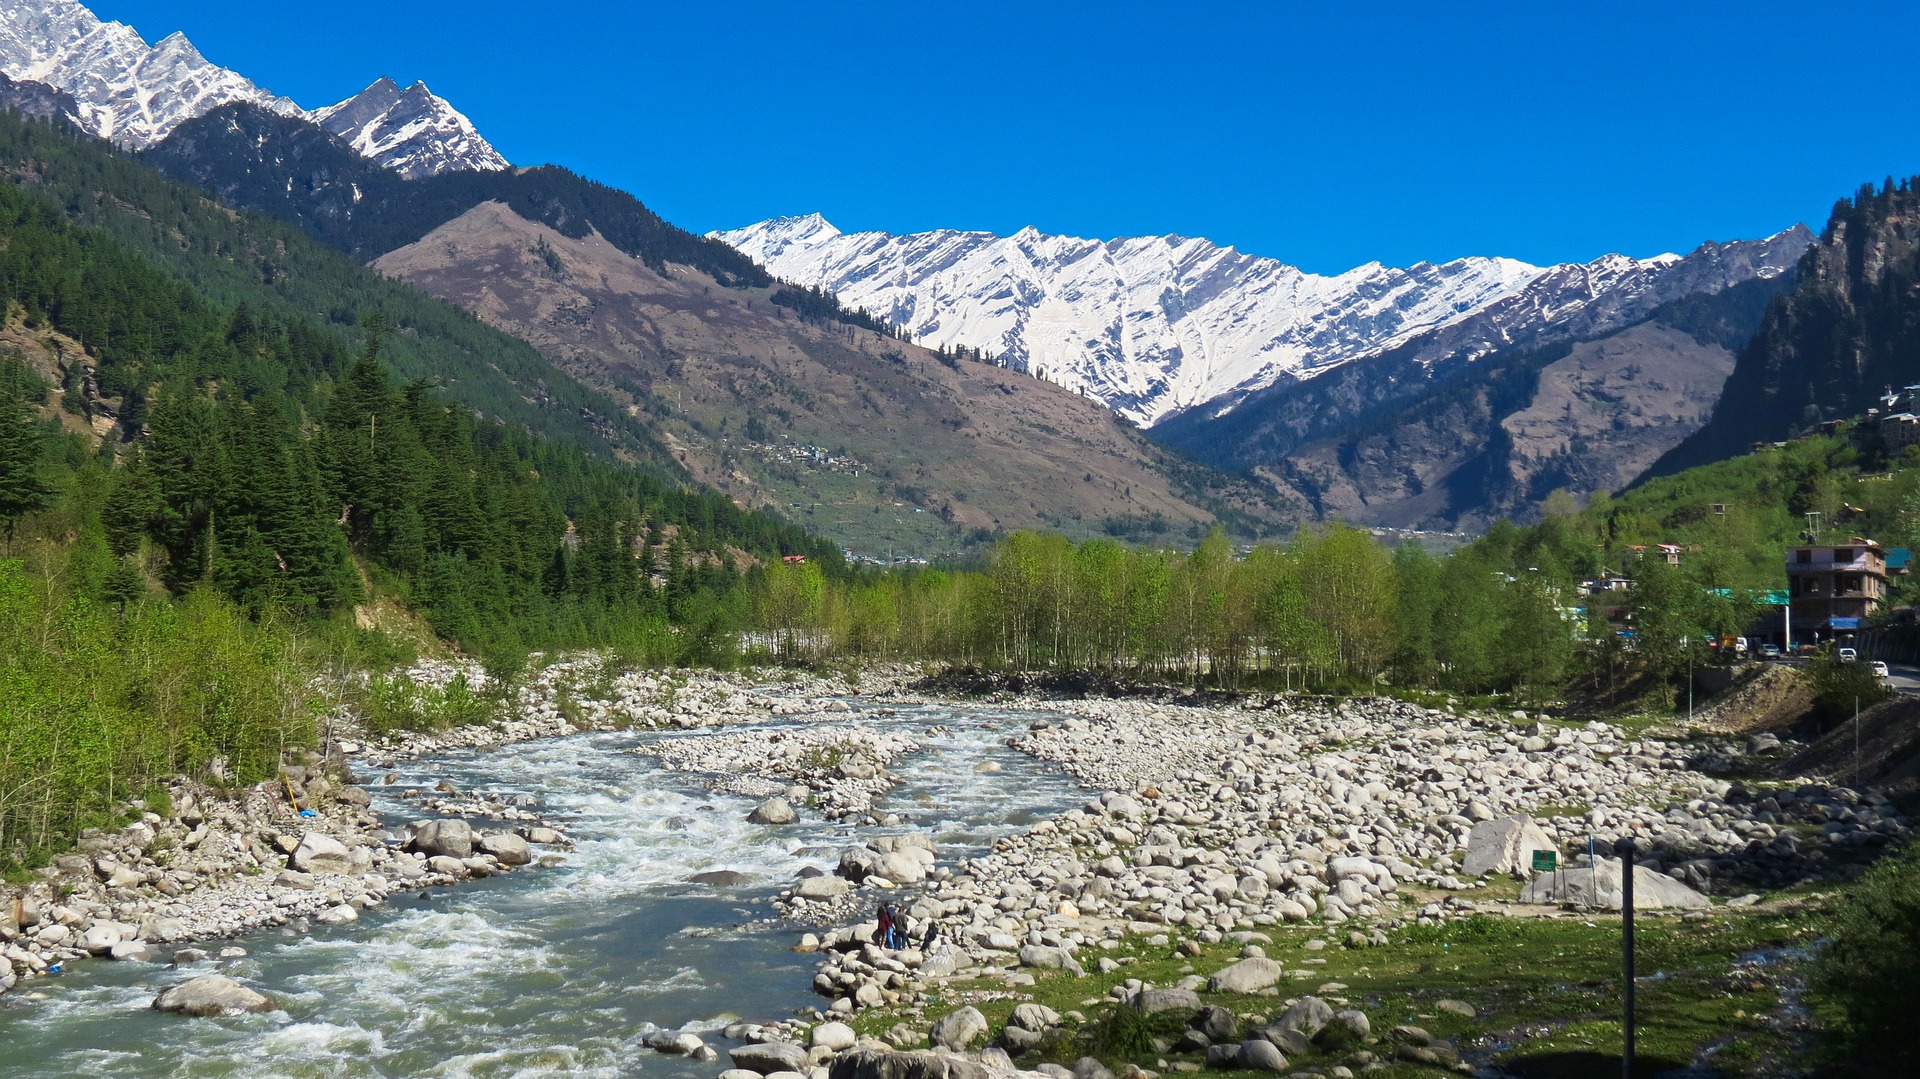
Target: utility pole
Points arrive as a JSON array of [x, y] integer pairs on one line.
[[1624, 848]]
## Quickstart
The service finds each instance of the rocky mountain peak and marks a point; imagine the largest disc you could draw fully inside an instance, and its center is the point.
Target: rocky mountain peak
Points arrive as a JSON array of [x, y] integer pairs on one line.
[[412, 131]]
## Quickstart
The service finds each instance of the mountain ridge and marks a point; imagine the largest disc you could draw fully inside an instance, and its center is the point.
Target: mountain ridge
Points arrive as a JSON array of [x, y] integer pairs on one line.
[[135, 95], [1158, 326]]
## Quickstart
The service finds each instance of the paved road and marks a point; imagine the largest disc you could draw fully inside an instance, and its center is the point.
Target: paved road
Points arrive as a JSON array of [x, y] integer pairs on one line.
[[1901, 678]]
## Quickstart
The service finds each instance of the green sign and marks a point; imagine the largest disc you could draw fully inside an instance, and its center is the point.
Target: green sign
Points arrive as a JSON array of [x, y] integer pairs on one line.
[[1545, 861]]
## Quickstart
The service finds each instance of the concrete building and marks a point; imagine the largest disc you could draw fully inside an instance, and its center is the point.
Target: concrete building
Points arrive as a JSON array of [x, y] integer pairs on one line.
[[1832, 590]]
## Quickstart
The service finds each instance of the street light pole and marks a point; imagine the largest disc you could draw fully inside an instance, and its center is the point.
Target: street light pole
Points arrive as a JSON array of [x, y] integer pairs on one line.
[[1624, 848]]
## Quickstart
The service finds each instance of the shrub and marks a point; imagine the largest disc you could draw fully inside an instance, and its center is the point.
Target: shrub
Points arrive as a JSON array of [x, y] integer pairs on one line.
[[1868, 969]]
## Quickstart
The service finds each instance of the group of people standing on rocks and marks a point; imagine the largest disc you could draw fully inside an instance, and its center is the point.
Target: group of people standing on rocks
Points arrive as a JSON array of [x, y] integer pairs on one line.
[[894, 930]]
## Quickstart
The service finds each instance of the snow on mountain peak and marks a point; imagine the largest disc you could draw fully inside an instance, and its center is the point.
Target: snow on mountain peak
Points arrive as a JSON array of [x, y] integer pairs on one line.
[[1155, 325], [136, 95], [1149, 325], [413, 131], [126, 91]]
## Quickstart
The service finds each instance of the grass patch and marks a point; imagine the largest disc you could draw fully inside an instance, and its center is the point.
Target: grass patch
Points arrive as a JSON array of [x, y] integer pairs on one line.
[[1547, 991]]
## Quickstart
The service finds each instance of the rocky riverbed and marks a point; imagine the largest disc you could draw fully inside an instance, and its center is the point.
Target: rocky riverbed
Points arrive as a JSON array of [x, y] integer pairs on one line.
[[1203, 826]]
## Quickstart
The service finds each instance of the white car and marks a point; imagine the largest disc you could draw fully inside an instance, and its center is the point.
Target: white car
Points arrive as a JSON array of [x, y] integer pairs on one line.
[[1879, 669], [1846, 655]]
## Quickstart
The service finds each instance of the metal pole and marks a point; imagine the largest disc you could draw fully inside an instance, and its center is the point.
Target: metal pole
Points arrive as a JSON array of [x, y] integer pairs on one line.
[[1624, 848], [1856, 742]]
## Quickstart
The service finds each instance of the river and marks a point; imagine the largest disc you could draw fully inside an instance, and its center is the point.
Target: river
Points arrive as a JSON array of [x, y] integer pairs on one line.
[[548, 972]]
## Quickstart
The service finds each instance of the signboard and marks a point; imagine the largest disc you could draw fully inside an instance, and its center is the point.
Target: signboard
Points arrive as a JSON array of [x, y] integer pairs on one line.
[[1545, 861], [1844, 623]]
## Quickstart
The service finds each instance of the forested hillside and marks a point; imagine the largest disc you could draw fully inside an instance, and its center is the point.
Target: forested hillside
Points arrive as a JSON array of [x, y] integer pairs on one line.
[[279, 273], [1849, 329]]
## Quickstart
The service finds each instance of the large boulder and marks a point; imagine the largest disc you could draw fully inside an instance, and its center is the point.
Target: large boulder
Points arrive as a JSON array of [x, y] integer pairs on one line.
[[442, 839], [1246, 976], [769, 1057], [1049, 958], [958, 1030], [212, 994], [1034, 1017], [906, 865], [1599, 885], [506, 848], [773, 811], [321, 853], [881, 1064], [1505, 845]]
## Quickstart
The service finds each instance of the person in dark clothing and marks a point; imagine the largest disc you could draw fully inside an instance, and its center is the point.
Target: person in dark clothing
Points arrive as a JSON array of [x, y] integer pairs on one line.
[[883, 934]]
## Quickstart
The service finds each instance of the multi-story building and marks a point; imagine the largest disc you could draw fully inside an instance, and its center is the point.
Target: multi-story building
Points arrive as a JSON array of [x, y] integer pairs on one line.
[[1832, 590]]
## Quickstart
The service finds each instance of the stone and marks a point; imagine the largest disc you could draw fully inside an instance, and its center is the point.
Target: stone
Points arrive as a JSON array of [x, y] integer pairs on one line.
[[100, 937], [1089, 1068], [1046, 958], [773, 811], [1217, 1024], [822, 888], [958, 1029], [1306, 1015], [212, 994], [1346, 1029], [769, 1057], [1152, 1001], [726, 878], [1599, 886], [1034, 1017], [443, 839], [1256, 1054], [1247, 976], [1504, 845], [674, 1043], [886, 1064], [506, 848], [134, 951], [1460, 1007], [1288, 1039], [320, 853], [833, 1036], [546, 837], [338, 915]]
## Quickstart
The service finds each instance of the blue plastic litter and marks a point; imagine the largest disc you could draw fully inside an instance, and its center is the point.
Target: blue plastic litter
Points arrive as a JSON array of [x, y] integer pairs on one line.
[[308, 813]]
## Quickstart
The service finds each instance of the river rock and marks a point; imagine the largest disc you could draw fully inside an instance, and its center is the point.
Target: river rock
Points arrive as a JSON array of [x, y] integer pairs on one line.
[[959, 1029], [443, 839], [1049, 958], [134, 951], [1504, 845], [337, 915], [678, 1043], [1599, 886], [1347, 1028], [100, 937], [773, 811], [721, 878], [822, 888], [769, 1057], [321, 853], [506, 848], [883, 1064], [833, 1037], [212, 994], [1247, 976]]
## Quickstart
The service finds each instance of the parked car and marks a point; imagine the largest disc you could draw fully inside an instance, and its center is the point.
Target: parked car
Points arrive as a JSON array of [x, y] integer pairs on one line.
[[1771, 651], [1879, 669], [1846, 655]]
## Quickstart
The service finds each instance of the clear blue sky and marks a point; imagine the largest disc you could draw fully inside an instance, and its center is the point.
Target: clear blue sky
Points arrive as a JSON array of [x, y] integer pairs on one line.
[[1325, 135]]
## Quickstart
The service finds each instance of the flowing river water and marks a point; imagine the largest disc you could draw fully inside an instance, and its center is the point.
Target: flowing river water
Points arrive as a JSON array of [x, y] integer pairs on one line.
[[547, 972]]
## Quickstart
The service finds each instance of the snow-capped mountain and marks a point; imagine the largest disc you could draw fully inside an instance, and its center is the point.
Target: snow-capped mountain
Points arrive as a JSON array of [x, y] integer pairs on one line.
[[135, 94], [127, 92], [1155, 325], [411, 131]]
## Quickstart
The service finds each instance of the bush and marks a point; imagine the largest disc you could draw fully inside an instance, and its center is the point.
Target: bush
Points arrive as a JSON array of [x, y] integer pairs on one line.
[[1868, 970], [1838, 688]]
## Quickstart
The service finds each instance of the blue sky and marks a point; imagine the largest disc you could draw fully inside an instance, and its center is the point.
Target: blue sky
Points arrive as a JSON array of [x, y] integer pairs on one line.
[[1325, 135]]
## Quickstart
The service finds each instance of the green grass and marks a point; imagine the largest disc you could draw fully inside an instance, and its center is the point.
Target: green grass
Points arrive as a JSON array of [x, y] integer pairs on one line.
[[1547, 991]]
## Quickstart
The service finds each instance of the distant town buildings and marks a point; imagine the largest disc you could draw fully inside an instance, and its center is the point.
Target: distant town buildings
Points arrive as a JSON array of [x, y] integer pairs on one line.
[[1833, 590]]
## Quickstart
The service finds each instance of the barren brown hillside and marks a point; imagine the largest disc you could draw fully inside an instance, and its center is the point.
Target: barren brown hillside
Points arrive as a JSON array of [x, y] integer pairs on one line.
[[869, 439]]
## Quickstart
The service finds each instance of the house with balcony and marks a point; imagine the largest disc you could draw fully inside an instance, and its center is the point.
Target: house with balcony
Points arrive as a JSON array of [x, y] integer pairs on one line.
[[1833, 590]]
